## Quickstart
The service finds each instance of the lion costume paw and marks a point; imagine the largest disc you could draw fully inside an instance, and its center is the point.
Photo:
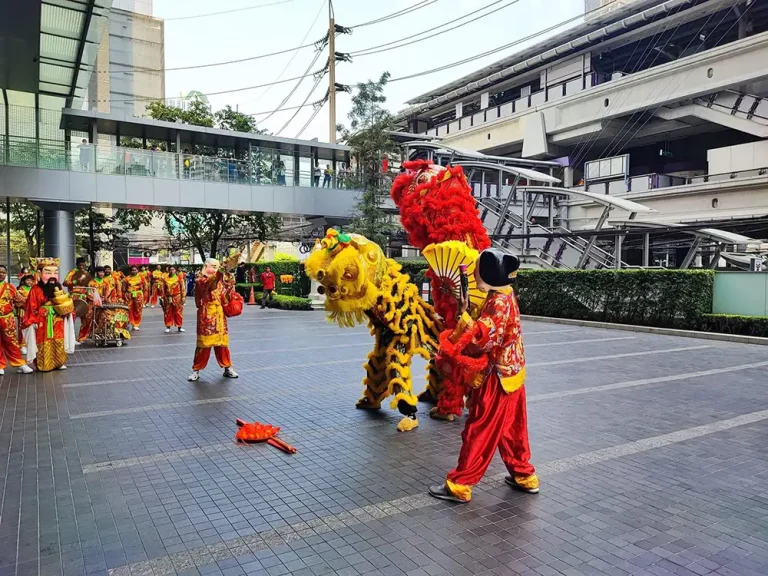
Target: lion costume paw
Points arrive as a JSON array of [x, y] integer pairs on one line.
[[407, 424]]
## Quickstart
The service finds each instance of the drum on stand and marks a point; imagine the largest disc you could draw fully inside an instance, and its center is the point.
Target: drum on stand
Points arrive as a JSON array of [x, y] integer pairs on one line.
[[110, 324]]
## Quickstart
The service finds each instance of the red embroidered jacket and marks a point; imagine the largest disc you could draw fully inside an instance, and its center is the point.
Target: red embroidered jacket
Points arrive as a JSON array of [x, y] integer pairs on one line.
[[497, 333]]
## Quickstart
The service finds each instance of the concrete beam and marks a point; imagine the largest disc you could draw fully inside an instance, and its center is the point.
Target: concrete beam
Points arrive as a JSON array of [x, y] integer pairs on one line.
[[716, 116]]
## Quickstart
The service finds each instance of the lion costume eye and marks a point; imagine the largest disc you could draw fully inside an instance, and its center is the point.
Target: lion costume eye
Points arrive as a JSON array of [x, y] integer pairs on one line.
[[350, 274]]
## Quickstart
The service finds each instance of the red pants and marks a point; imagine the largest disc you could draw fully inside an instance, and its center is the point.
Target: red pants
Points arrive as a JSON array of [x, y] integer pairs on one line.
[[202, 355], [155, 294], [135, 309], [174, 314], [9, 343], [85, 325], [496, 420]]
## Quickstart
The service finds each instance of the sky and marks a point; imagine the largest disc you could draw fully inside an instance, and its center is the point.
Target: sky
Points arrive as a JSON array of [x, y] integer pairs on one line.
[[237, 35]]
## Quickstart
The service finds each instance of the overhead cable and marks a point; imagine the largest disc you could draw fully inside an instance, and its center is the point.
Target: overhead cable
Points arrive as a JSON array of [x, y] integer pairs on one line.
[[209, 14], [439, 30], [403, 12]]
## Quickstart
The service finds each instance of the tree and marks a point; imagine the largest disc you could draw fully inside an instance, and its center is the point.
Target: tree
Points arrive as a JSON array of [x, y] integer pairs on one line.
[[370, 142], [24, 220], [205, 230], [228, 119]]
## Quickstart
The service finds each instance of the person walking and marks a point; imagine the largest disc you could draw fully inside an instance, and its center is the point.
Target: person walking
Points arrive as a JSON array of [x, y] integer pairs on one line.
[[211, 291], [268, 282], [173, 294], [497, 411]]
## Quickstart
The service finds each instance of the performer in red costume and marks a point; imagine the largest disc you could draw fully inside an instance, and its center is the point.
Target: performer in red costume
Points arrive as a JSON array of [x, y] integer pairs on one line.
[[497, 414], [430, 198], [211, 291]]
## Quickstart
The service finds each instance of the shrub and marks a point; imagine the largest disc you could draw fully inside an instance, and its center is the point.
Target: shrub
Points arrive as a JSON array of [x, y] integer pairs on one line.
[[287, 302], [735, 324], [664, 298], [415, 268]]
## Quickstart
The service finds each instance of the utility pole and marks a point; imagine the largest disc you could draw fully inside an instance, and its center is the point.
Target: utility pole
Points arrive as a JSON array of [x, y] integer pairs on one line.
[[332, 72]]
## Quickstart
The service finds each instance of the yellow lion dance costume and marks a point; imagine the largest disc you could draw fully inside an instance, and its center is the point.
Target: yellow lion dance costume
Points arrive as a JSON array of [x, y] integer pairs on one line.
[[360, 284]]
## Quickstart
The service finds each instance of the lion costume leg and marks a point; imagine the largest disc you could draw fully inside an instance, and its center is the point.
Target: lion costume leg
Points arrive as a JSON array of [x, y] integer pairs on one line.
[[400, 385], [375, 377]]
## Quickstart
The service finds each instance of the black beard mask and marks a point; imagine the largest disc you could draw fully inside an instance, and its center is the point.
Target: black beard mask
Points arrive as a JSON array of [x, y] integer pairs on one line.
[[49, 287]]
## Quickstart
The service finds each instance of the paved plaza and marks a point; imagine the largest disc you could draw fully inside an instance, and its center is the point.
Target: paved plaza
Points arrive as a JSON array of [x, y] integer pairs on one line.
[[652, 451]]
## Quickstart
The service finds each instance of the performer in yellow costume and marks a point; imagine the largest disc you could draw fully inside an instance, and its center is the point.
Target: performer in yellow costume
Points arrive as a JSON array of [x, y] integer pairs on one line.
[[49, 315], [211, 292], [361, 284], [133, 292], [173, 291]]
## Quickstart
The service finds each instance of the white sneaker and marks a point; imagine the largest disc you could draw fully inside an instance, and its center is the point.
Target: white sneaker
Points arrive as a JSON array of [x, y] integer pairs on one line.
[[135, 328], [153, 305], [23, 350], [62, 367], [194, 377], [78, 343], [2, 372], [230, 373], [182, 330], [24, 369], [167, 330]]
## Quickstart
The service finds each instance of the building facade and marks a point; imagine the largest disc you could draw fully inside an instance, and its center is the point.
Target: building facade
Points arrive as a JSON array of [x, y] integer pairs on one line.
[[130, 65], [642, 102]]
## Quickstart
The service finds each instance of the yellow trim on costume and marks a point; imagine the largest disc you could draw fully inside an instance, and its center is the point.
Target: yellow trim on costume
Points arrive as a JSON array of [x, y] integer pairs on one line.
[[527, 482], [212, 340], [463, 493], [512, 383]]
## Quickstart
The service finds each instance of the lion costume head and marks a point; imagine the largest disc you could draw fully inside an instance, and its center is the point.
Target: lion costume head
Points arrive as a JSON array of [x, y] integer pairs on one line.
[[350, 269]]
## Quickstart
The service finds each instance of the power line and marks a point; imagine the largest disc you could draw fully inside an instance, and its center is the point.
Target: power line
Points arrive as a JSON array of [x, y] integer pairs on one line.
[[440, 30], [311, 91], [620, 145], [494, 50], [403, 12], [314, 115], [227, 11], [311, 64], [587, 142]]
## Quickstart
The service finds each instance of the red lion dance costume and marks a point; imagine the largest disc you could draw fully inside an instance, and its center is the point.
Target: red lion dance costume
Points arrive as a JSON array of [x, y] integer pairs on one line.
[[436, 205]]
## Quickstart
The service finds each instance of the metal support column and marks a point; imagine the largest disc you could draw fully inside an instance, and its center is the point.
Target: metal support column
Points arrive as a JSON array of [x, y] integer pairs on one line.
[[691, 254], [39, 231], [37, 131], [482, 185], [524, 229], [296, 168], [505, 208], [713, 261], [532, 208], [550, 214], [617, 253], [91, 240], [8, 235], [334, 174], [500, 184], [7, 129], [646, 249], [60, 236], [591, 244]]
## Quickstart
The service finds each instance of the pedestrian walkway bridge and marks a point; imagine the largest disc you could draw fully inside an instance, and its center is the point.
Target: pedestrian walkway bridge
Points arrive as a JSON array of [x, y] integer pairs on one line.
[[169, 165]]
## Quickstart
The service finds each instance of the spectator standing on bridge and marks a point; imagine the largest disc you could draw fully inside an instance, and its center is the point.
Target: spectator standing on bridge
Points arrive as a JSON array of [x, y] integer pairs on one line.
[[268, 281], [316, 174], [85, 155], [327, 178]]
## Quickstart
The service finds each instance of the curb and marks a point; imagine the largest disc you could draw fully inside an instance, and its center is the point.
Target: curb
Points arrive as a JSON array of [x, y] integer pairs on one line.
[[736, 338]]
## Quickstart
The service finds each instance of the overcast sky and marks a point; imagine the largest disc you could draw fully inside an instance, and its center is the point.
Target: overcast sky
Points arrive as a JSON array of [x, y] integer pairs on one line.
[[282, 26]]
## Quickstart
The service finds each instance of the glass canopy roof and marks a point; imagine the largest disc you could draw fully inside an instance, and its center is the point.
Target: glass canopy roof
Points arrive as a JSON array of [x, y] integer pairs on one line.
[[70, 34]]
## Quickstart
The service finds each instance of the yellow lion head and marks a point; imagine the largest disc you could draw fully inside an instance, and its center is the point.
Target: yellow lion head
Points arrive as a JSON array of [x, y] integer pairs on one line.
[[350, 269]]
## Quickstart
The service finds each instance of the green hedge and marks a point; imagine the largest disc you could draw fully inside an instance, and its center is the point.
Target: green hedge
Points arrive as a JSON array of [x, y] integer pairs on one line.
[[287, 302], [415, 268], [735, 324], [664, 298]]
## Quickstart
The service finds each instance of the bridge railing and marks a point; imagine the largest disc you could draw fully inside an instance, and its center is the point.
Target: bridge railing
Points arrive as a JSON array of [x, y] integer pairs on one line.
[[126, 161]]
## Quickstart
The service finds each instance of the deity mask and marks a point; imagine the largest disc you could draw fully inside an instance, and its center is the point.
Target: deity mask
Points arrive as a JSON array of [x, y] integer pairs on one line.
[[210, 268]]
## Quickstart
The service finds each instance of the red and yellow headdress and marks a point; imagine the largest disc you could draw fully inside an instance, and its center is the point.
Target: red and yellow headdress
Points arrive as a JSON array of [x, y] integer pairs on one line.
[[40, 263]]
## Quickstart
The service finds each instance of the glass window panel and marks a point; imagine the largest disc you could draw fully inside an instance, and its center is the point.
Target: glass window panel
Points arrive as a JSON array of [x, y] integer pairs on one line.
[[61, 22], [58, 47]]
